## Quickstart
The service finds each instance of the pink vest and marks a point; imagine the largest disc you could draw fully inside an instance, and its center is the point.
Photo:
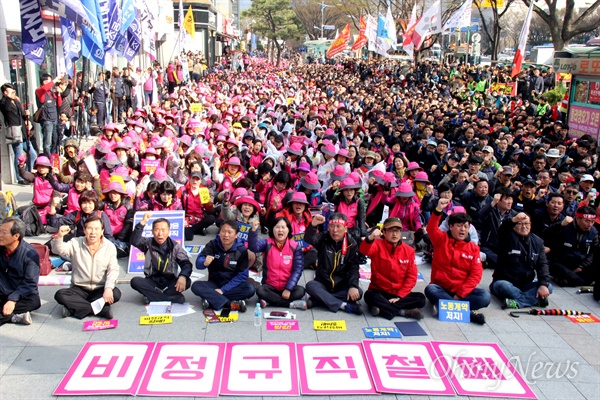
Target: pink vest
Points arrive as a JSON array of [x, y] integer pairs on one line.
[[350, 210], [116, 218], [42, 193], [279, 264], [256, 159], [73, 201]]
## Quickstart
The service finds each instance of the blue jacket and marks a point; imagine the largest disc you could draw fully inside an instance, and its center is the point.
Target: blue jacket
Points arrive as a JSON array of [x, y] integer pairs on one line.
[[19, 272], [229, 268], [263, 246]]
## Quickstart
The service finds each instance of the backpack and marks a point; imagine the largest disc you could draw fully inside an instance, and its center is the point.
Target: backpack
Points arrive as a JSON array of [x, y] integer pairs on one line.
[[33, 221], [44, 253], [8, 205]]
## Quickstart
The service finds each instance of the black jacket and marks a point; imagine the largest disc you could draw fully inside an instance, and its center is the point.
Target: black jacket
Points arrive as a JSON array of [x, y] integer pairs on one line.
[[570, 246], [335, 274], [165, 260], [19, 272], [490, 224], [520, 259]]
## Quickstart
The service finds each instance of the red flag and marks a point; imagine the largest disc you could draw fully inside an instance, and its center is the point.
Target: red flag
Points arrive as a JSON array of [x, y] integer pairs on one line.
[[518, 61], [362, 39], [339, 44], [408, 35]]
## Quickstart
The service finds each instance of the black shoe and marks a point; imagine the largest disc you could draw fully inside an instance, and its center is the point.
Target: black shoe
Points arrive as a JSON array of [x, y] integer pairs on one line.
[[374, 311], [106, 313], [205, 304], [202, 232], [543, 303], [477, 318], [353, 308]]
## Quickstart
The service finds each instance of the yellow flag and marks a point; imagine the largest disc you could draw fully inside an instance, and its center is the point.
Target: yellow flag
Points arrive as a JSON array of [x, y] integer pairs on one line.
[[189, 24]]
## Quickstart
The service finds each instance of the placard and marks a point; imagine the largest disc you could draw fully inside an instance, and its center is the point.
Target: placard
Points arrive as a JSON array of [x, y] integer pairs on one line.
[[382, 332], [91, 165], [177, 220], [184, 369], [196, 107], [406, 367], [583, 319], [243, 231], [583, 121], [454, 311], [481, 369], [281, 325], [194, 250], [100, 325], [333, 368], [55, 160], [329, 325], [148, 167], [156, 319], [204, 194], [106, 368], [260, 369]]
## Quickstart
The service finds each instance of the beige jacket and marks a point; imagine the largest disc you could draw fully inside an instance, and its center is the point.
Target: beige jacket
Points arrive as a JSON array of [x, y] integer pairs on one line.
[[90, 272]]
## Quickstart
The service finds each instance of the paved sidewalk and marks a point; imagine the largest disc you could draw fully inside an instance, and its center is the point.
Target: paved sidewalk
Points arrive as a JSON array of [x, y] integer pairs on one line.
[[33, 359]]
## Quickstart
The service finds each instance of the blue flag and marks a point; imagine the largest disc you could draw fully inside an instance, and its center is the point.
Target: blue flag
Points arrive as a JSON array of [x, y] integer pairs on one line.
[[93, 44], [70, 44], [32, 31], [134, 39], [128, 14], [381, 28], [114, 25]]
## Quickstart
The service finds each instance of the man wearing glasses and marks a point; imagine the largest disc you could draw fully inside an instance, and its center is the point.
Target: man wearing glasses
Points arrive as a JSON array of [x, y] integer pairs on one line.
[[393, 273], [572, 244], [521, 257]]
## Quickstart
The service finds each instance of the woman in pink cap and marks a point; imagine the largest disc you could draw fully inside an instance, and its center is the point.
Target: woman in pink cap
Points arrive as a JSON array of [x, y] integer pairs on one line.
[[233, 173], [42, 188], [407, 208], [118, 209], [296, 211]]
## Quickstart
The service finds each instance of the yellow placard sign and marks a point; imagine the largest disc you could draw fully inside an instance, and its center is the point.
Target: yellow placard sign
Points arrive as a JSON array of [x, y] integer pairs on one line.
[[329, 325], [490, 3], [156, 319], [204, 195], [196, 107]]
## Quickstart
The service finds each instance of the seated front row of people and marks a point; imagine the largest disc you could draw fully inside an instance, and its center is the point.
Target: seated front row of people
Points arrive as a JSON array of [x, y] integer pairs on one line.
[[521, 279]]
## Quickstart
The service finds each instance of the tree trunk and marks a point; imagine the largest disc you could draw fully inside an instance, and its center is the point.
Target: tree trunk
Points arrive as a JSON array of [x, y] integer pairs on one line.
[[278, 52]]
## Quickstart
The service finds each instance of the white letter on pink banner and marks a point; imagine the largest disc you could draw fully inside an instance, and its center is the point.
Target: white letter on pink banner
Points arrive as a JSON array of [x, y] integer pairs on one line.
[[260, 369], [481, 369], [184, 369], [334, 368], [406, 367], [106, 368]]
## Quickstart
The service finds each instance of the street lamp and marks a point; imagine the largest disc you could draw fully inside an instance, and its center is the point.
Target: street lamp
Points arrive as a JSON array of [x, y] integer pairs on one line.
[[323, 7]]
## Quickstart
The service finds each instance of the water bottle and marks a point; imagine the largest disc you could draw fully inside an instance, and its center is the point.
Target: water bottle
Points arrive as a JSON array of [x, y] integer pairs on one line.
[[257, 315], [593, 197]]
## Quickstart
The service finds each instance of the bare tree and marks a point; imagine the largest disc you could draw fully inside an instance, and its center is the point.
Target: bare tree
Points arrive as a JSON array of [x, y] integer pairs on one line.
[[492, 27], [564, 27]]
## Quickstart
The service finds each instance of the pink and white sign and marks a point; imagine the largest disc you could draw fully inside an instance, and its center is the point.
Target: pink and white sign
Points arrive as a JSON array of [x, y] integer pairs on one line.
[[100, 325], [481, 369], [283, 325], [184, 369], [334, 368], [583, 120], [406, 367], [260, 369], [106, 368]]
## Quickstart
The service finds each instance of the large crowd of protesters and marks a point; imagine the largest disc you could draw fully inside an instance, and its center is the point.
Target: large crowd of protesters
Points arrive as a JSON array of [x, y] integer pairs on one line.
[[365, 152]]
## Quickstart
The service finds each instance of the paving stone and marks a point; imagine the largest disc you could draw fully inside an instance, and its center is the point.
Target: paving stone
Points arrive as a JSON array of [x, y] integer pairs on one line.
[[7, 356], [560, 390], [43, 360], [21, 387]]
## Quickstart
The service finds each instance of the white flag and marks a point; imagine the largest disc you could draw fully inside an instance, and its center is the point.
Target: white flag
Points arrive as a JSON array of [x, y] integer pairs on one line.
[[461, 18], [520, 54], [371, 32], [429, 24], [390, 25]]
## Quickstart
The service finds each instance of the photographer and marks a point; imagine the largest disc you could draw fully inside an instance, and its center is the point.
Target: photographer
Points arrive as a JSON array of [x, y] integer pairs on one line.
[[49, 100]]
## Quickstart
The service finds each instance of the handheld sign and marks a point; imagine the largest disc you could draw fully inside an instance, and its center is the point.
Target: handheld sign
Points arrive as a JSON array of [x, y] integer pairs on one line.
[[454, 311], [382, 332], [100, 325], [289, 325], [204, 195], [149, 166], [329, 325], [177, 220], [156, 319]]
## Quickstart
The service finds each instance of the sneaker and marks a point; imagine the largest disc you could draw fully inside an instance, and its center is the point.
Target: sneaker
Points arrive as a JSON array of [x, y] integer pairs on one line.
[[65, 312], [374, 311], [238, 305], [510, 303], [146, 300], [106, 313], [477, 318], [205, 304], [413, 313], [264, 304], [23, 319], [543, 303], [66, 267], [353, 308], [299, 304]]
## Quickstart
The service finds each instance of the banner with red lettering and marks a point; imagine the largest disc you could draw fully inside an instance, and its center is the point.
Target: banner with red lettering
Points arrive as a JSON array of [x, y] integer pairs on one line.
[[339, 44]]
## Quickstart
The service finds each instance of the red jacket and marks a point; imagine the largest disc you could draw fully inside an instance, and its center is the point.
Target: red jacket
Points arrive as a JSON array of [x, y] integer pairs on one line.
[[392, 270], [456, 265]]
